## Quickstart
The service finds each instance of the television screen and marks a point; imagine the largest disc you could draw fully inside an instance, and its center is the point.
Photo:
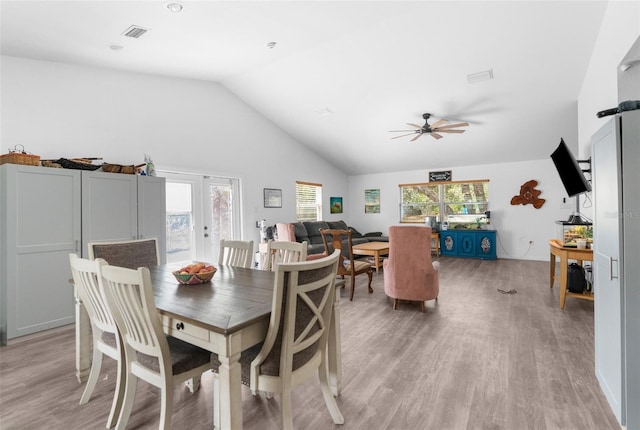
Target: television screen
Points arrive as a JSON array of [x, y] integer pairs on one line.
[[570, 172]]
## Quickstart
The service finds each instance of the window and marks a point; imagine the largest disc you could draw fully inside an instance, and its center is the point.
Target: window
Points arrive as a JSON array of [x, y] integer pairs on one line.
[[308, 201], [446, 201]]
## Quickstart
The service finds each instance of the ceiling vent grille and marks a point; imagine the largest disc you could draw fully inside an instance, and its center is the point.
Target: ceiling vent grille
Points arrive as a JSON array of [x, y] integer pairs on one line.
[[135, 31]]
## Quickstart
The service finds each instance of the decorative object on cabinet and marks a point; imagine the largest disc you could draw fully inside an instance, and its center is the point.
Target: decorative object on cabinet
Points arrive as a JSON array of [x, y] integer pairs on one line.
[[528, 195], [18, 155], [372, 201], [335, 204], [468, 243], [272, 198]]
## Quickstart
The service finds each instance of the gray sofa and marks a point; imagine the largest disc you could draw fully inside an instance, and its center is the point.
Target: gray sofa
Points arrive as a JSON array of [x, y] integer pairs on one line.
[[310, 231]]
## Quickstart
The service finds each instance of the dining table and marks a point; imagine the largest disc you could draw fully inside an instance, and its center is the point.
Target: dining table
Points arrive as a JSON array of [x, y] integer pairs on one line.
[[226, 315]]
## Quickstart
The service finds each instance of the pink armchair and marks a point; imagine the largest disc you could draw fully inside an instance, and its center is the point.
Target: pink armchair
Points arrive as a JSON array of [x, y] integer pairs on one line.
[[409, 273]]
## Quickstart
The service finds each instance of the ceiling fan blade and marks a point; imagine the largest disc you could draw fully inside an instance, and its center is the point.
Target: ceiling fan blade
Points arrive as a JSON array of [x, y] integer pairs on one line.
[[403, 131], [462, 124], [451, 131], [417, 137], [436, 135], [439, 123], [414, 125], [403, 135]]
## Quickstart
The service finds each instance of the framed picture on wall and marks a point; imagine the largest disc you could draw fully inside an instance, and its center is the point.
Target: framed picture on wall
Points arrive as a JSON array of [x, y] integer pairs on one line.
[[335, 204], [272, 198], [372, 201]]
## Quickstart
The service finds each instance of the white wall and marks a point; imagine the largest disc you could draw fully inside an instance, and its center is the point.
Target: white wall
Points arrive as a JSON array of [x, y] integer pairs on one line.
[[620, 29], [515, 225], [59, 110]]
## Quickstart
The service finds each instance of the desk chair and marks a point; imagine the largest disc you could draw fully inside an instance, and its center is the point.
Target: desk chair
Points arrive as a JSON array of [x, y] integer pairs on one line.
[[283, 252], [103, 328], [160, 360], [295, 348], [236, 253], [127, 253]]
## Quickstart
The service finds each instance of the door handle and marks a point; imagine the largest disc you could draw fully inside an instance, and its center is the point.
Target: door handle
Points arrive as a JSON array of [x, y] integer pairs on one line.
[[611, 260]]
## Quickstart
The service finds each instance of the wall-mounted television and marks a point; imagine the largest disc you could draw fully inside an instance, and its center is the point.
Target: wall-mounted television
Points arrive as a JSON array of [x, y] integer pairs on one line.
[[569, 170]]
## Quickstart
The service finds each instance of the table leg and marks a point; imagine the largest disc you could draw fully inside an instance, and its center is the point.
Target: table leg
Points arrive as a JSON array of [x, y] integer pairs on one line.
[[563, 280], [552, 269], [376, 255], [230, 399], [83, 340], [335, 349]]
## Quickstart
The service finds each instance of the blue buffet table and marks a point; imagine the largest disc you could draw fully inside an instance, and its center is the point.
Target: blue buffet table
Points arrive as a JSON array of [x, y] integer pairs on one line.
[[468, 243]]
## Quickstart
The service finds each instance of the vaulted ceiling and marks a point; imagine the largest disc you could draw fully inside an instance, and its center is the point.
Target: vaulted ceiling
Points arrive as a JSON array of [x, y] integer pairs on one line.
[[344, 73]]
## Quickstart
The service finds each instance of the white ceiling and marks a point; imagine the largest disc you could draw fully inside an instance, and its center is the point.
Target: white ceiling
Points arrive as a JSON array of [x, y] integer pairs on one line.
[[376, 65]]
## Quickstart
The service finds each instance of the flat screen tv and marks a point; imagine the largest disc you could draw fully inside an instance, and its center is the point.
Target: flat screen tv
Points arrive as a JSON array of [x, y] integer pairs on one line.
[[570, 172]]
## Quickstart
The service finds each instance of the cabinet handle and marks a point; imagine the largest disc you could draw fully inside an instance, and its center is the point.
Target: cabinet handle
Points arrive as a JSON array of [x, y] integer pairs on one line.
[[180, 326], [611, 260]]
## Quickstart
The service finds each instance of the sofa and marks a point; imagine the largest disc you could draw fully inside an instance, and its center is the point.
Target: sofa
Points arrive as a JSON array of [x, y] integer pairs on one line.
[[309, 231]]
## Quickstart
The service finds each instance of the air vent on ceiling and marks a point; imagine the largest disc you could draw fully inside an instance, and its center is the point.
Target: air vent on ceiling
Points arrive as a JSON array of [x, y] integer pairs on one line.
[[135, 31]]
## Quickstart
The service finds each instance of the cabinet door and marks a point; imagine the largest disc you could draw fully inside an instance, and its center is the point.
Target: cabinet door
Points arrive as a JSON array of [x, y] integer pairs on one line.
[[466, 243], [109, 207], [152, 208], [448, 243], [41, 226], [486, 245], [606, 269]]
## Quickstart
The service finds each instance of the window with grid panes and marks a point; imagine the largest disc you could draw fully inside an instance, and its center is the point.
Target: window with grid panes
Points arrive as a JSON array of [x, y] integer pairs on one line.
[[442, 200]]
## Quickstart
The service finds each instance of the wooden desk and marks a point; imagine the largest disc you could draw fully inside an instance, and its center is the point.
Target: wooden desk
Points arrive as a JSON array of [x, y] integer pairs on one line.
[[225, 316], [566, 254], [374, 249]]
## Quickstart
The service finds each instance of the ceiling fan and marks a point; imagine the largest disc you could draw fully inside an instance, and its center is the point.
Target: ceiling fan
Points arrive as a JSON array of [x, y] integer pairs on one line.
[[434, 129]]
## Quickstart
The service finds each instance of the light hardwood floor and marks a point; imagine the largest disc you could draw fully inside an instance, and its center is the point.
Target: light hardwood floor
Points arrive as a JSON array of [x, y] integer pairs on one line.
[[476, 359]]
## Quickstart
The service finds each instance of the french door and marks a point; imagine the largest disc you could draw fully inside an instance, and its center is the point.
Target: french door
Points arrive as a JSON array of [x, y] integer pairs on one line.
[[201, 210]]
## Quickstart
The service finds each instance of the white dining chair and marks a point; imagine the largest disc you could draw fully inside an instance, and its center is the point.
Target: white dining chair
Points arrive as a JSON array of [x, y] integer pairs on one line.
[[150, 355], [295, 347], [127, 253], [236, 253], [283, 252], [103, 328]]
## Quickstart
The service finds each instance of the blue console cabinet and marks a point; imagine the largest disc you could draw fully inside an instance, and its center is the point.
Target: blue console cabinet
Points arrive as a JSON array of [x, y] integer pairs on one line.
[[468, 243]]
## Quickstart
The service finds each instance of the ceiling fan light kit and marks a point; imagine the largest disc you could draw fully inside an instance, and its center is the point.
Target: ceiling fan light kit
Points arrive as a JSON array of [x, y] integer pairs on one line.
[[440, 126]]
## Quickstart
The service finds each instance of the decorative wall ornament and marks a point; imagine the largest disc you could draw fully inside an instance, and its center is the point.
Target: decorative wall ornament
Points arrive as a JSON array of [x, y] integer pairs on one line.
[[272, 198], [528, 195]]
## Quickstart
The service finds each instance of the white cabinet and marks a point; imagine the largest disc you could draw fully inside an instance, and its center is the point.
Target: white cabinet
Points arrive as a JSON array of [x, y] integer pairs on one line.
[[40, 227], [616, 246], [48, 213], [123, 207]]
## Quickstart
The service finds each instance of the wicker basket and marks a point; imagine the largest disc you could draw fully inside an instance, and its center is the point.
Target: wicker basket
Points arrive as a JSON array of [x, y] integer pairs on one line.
[[118, 168], [19, 156]]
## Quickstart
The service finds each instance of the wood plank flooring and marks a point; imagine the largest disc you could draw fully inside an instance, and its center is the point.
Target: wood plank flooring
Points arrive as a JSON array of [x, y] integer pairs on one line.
[[476, 359]]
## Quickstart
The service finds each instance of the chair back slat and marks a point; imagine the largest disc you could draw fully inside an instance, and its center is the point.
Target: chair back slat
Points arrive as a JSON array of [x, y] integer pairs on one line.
[[85, 278], [129, 253], [236, 253], [130, 295], [279, 252]]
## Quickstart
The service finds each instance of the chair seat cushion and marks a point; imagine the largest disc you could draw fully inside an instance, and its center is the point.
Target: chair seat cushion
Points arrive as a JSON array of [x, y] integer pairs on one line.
[[358, 266], [184, 357]]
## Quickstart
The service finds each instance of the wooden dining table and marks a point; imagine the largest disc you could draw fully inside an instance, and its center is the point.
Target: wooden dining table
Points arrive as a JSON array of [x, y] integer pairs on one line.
[[226, 316]]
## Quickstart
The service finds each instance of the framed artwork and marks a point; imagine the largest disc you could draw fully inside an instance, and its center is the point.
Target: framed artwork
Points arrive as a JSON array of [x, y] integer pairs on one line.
[[272, 198], [372, 201], [335, 204]]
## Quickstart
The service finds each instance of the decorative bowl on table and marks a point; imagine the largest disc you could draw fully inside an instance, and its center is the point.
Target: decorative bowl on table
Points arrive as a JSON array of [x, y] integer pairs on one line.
[[197, 273]]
